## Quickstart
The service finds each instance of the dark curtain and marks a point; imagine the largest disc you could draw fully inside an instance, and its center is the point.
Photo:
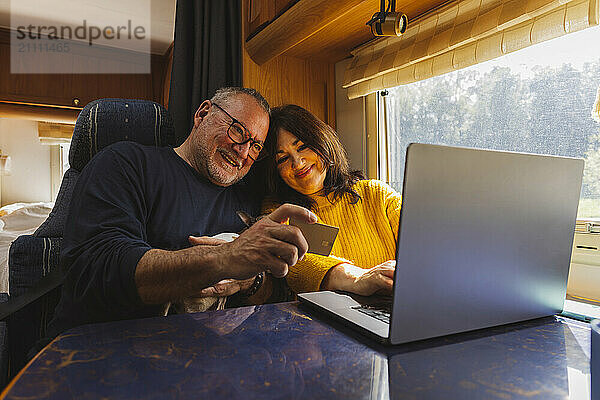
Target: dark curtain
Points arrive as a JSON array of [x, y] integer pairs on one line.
[[207, 55]]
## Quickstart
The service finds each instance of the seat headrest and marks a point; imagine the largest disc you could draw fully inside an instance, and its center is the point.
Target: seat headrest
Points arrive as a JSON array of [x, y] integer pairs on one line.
[[106, 121]]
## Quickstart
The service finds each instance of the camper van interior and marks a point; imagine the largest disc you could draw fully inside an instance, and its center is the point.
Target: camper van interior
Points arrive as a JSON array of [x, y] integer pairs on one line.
[[518, 76]]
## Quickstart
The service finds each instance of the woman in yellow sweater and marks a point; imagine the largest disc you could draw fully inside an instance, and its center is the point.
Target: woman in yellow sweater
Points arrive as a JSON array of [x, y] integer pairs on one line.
[[309, 167]]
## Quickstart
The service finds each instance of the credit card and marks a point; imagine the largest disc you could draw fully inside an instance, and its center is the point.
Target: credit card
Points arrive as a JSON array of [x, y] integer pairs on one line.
[[320, 237]]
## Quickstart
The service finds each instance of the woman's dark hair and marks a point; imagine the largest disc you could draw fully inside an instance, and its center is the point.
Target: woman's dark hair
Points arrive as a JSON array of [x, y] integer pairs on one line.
[[320, 138]]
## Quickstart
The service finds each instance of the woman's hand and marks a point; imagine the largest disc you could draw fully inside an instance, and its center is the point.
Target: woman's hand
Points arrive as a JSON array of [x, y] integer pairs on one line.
[[364, 282], [379, 279]]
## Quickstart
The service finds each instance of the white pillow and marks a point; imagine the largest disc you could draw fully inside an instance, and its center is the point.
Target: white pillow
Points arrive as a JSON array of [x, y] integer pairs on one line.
[[24, 216], [21, 219]]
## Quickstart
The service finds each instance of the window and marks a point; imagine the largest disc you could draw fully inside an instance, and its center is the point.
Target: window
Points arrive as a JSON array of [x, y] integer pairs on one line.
[[64, 158], [537, 100], [59, 164]]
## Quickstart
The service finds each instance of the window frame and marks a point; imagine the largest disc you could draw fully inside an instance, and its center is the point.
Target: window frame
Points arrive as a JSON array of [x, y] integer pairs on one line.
[[583, 259]]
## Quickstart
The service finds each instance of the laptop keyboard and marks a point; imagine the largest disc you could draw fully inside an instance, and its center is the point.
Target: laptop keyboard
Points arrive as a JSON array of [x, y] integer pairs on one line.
[[378, 313]]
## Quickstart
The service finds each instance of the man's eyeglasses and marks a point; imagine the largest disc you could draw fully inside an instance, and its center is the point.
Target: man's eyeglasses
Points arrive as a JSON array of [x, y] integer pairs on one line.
[[240, 135]]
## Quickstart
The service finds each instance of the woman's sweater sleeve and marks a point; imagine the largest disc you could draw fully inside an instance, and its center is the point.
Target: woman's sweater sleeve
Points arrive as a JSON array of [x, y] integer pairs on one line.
[[307, 275], [393, 203]]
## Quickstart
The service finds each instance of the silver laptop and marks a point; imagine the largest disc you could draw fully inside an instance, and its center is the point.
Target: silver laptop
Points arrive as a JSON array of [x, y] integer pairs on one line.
[[484, 239]]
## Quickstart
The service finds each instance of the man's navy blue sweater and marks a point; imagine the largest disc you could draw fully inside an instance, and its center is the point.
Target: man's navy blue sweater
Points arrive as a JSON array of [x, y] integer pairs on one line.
[[129, 199]]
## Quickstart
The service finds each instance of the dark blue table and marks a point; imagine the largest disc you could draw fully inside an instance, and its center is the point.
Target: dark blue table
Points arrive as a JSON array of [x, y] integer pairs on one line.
[[284, 351]]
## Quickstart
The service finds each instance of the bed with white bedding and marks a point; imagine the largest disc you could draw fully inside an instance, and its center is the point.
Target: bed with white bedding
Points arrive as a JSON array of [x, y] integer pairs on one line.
[[15, 220]]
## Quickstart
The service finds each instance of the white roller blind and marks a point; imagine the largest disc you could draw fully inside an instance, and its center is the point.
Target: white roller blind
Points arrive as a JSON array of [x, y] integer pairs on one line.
[[51, 133], [461, 34]]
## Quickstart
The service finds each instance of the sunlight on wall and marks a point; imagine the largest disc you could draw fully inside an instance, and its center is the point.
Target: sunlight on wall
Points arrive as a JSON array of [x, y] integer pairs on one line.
[[29, 180]]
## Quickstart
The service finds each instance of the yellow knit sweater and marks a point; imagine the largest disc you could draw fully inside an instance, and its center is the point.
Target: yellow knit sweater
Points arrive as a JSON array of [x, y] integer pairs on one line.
[[367, 236]]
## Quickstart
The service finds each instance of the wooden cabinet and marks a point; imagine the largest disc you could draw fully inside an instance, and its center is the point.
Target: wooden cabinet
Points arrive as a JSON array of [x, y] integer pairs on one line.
[[296, 26], [281, 80], [76, 90], [261, 12]]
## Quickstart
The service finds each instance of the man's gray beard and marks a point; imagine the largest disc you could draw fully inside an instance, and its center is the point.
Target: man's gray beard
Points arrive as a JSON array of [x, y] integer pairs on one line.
[[218, 175], [212, 169]]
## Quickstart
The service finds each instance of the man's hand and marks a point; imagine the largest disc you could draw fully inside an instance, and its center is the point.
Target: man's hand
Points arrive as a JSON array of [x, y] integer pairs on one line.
[[268, 245], [226, 287]]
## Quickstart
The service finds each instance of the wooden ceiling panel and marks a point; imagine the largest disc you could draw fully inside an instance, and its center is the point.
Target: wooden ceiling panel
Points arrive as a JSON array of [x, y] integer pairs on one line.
[[335, 41]]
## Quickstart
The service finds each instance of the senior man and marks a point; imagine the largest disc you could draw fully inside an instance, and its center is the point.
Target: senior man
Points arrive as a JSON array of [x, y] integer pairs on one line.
[[126, 249]]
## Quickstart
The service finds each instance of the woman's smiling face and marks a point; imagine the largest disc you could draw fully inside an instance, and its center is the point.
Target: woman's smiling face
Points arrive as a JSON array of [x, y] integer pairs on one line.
[[299, 166]]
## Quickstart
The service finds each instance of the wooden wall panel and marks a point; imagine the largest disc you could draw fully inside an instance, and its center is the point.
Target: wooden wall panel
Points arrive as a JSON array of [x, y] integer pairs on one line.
[[166, 81], [260, 13], [62, 89], [282, 80], [39, 113]]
